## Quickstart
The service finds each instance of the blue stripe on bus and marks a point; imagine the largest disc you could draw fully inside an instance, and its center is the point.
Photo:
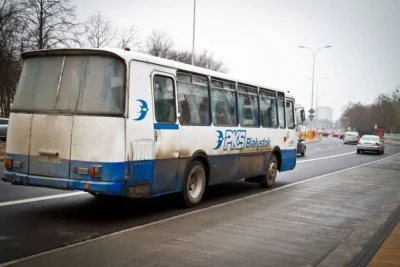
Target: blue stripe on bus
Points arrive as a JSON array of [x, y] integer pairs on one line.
[[166, 126], [223, 168], [288, 159]]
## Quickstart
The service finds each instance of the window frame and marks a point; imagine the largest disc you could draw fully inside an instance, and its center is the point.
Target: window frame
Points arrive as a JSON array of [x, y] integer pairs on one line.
[[229, 90], [258, 103], [293, 113], [191, 74], [169, 76], [276, 105]]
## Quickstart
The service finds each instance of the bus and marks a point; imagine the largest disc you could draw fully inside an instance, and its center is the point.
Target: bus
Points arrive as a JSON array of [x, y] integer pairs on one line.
[[113, 122]]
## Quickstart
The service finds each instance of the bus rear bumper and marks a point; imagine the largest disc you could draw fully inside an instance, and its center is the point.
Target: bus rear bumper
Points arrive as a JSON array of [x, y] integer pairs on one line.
[[106, 188]]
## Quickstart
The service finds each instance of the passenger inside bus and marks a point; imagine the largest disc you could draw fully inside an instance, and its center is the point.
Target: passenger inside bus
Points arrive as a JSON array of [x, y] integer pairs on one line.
[[222, 116]]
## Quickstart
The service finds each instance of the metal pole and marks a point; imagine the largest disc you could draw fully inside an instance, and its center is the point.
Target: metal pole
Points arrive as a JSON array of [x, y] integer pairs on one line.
[[194, 28], [314, 55], [312, 87]]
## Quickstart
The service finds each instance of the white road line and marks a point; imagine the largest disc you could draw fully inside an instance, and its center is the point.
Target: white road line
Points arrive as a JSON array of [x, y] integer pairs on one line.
[[8, 203], [181, 215], [329, 157]]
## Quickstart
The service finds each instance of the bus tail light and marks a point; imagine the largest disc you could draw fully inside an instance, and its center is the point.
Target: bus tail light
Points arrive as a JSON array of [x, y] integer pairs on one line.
[[8, 163], [94, 171]]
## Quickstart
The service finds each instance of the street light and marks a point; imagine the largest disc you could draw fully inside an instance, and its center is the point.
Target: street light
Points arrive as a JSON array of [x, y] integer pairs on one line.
[[194, 28], [317, 96], [314, 54]]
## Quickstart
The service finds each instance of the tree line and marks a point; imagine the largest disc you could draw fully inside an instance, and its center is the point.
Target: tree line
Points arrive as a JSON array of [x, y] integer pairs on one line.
[[384, 112], [47, 24]]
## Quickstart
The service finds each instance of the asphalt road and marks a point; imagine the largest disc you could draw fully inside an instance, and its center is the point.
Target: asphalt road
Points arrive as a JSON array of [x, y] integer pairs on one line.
[[30, 228]]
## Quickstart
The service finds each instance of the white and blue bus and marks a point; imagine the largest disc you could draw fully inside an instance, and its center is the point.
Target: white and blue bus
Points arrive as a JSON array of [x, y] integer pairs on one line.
[[116, 122]]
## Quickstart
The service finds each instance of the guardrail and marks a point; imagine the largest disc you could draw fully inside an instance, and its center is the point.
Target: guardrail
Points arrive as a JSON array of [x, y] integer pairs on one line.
[[391, 136], [308, 135]]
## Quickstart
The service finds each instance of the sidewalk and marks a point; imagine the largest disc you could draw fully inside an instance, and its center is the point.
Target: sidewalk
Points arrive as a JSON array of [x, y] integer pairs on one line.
[[325, 221], [389, 253]]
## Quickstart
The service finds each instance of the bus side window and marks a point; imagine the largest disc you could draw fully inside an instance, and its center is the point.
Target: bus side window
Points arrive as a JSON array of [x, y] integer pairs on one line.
[[290, 114], [268, 111], [248, 108], [164, 99], [223, 103], [194, 101], [281, 110]]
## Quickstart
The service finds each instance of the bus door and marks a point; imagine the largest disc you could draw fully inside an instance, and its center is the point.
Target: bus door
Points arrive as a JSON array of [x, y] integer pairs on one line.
[[291, 135], [166, 133]]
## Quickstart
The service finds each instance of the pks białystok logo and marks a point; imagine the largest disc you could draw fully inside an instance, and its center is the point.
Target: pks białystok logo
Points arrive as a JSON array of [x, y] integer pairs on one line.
[[237, 140], [143, 110]]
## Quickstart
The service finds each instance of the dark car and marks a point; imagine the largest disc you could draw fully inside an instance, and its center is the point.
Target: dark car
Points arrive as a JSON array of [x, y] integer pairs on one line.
[[301, 147], [325, 134], [3, 129]]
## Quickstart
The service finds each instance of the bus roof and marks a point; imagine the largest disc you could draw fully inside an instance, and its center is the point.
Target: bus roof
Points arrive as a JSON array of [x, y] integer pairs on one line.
[[133, 55]]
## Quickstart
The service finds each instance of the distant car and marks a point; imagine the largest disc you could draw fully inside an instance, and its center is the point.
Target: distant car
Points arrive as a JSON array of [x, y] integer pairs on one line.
[[3, 129], [371, 143], [335, 135], [301, 147], [325, 134], [351, 138]]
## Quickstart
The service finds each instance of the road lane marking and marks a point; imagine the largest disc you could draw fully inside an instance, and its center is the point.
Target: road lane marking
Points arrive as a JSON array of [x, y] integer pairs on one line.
[[14, 202], [329, 157], [182, 215]]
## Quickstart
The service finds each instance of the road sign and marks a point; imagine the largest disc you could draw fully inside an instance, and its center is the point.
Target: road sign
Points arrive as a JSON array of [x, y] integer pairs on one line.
[[311, 111], [348, 128], [311, 117]]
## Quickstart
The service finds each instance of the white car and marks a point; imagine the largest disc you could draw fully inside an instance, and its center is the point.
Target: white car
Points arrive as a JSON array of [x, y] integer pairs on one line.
[[370, 143], [351, 138]]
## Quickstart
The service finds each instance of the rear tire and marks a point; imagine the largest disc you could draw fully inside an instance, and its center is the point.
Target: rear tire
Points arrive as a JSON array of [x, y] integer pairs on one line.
[[358, 151], [194, 184], [303, 153], [268, 179], [383, 151]]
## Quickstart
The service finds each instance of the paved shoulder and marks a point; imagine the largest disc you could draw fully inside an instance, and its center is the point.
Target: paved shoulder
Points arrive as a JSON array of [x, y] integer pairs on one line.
[[304, 224]]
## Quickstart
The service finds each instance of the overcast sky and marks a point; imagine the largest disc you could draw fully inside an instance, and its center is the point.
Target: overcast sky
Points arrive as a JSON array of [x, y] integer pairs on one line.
[[257, 40]]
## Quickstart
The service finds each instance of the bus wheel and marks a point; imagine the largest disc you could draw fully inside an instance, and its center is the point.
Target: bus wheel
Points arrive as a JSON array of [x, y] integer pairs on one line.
[[194, 184], [269, 179]]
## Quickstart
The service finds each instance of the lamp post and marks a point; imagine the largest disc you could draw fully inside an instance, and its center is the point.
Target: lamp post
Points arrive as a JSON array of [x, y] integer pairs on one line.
[[313, 71], [194, 28]]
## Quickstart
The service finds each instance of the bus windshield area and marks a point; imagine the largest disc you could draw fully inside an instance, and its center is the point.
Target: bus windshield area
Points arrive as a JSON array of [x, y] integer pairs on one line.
[[72, 84]]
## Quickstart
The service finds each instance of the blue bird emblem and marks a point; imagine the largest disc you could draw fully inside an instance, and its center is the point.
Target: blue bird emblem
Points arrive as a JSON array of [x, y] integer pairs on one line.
[[220, 139], [143, 110]]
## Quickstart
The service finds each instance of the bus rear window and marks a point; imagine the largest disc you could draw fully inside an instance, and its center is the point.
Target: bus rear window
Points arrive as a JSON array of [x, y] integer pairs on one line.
[[72, 84]]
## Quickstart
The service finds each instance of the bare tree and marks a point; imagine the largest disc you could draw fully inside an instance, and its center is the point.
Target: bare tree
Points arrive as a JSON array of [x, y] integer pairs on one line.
[[206, 60], [49, 23], [385, 112], [158, 44], [10, 67], [128, 38], [99, 31]]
